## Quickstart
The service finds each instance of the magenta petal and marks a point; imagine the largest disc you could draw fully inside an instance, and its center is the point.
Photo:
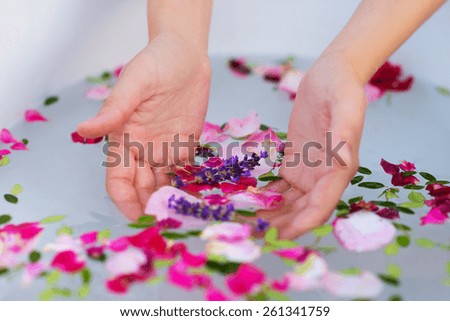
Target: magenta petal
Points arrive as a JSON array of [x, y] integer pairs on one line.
[[88, 238], [32, 115], [19, 146], [193, 260], [4, 152], [434, 216], [6, 137], [68, 262], [245, 280], [215, 295], [390, 168]]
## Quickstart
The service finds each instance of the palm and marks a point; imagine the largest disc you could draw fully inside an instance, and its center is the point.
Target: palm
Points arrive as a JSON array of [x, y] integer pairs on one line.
[[161, 93], [330, 99]]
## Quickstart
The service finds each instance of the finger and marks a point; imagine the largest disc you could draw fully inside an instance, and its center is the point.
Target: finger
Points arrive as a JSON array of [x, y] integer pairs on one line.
[[124, 99], [280, 186], [320, 203], [161, 177], [144, 182], [120, 184]]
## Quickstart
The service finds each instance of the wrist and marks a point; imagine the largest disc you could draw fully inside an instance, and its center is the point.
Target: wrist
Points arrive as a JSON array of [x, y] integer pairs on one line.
[[188, 19]]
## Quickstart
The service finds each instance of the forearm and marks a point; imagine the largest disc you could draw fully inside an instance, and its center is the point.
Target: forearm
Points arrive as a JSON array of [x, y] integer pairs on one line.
[[188, 18], [377, 29]]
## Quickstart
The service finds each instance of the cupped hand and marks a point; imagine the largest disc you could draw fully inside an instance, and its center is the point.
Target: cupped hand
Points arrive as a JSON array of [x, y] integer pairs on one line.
[[331, 100], [162, 92]]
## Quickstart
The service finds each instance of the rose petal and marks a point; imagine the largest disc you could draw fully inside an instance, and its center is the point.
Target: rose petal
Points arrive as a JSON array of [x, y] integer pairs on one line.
[[32, 115]]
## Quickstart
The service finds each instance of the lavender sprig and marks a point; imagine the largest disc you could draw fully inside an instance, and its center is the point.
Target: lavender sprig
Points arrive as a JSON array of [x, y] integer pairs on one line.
[[223, 213]]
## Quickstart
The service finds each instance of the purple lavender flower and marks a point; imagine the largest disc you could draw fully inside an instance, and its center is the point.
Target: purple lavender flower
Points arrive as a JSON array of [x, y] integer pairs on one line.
[[205, 152], [201, 211], [261, 225]]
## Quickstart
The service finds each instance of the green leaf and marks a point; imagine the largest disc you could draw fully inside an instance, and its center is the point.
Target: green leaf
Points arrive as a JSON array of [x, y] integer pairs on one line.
[[147, 219], [389, 279], [405, 210], [447, 267], [273, 295], [53, 277], [416, 197], [371, 185], [411, 205], [195, 233], [84, 291], [174, 235], [5, 218], [385, 204], [403, 240], [395, 297], [3, 271], [425, 243], [394, 270], [11, 198], [390, 193], [391, 249], [51, 100], [34, 256], [364, 170], [355, 199], [246, 213], [25, 141], [271, 235], [155, 280], [104, 234], [442, 182], [263, 127], [342, 205], [47, 295], [64, 292], [222, 268], [326, 249], [268, 177], [159, 264], [86, 276], [4, 161], [65, 230], [409, 173], [427, 176], [356, 179], [323, 230], [16, 190], [281, 135], [351, 271], [414, 187], [443, 91], [401, 227], [52, 219], [284, 244]]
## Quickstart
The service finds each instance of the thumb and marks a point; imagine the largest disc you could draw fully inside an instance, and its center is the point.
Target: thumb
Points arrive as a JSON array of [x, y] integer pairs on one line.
[[117, 109]]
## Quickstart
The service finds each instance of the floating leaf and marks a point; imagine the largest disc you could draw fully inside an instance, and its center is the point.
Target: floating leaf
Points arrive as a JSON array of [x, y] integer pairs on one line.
[[416, 197], [51, 100], [351, 271], [52, 219], [342, 205], [364, 170], [222, 268], [246, 213], [394, 271], [47, 295], [323, 230], [34, 256], [3, 271], [65, 230], [403, 240], [104, 234], [443, 91], [385, 204], [268, 177], [405, 210], [276, 295], [326, 249], [447, 267], [64, 292], [427, 176], [84, 291], [271, 235], [86, 276], [16, 190], [4, 161], [174, 235], [11, 198], [371, 185], [147, 219], [401, 227], [261, 127], [355, 199], [425, 243], [356, 179], [389, 279], [5, 218], [414, 187], [442, 182], [391, 249], [282, 135], [395, 297], [411, 205], [53, 277]]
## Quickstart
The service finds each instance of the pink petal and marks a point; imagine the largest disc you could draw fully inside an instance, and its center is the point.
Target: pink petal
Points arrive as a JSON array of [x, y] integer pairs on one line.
[[32, 115], [178, 275], [281, 286], [290, 82], [212, 133], [245, 280], [89, 238], [245, 251], [118, 70], [308, 274], [158, 206], [256, 199], [118, 245], [365, 285], [215, 295], [237, 127], [32, 271], [407, 166], [6, 137], [363, 231], [373, 93], [434, 216], [193, 260], [100, 92], [19, 146], [227, 232], [125, 262], [4, 152]]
